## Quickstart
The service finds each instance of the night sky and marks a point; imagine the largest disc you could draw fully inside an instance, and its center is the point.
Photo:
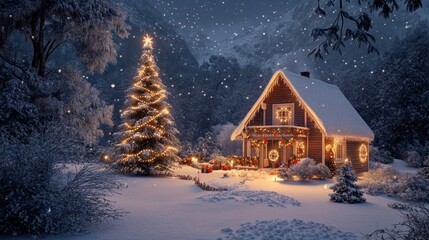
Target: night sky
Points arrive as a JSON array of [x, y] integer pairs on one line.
[[220, 19]]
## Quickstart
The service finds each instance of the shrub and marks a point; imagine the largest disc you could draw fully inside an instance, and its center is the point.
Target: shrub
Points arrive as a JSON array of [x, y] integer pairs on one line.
[[386, 180], [414, 226], [41, 194], [426, 161], [321, 171], [413, 159], [302, 169], [305, 169], [416, 189], [424, 172], [380, 155], [284, 173], [382, 179]]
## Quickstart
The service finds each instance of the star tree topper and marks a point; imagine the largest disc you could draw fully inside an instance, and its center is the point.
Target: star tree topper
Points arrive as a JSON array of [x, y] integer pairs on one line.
[[147, 42]]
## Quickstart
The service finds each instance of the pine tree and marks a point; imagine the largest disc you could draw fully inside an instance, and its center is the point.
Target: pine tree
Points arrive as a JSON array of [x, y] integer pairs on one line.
[[148, 144], [345, 190]]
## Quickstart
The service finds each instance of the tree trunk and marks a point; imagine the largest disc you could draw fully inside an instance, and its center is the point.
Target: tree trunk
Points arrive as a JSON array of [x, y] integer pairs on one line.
[[37, 38], [42, 63], [35, 61]]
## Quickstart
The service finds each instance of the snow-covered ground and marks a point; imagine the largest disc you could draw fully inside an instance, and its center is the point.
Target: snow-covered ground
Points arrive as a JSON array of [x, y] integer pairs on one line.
[[402, 167], [261, 207]]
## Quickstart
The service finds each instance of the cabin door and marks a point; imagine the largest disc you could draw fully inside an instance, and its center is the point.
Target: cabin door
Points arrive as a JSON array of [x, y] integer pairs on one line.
[[286, 152], [274, 154]]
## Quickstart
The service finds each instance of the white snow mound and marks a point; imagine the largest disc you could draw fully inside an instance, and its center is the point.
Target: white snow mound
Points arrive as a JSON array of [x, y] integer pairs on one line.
[[271, 199], [283, 229]]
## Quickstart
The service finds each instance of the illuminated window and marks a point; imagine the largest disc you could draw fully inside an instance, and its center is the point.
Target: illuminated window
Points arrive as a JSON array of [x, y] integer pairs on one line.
[[339, 150], [283, 114], [363, 153]]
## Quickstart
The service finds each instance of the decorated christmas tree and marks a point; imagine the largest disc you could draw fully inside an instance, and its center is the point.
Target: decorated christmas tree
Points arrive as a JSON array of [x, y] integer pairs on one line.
[[147, 142], [345, 190]]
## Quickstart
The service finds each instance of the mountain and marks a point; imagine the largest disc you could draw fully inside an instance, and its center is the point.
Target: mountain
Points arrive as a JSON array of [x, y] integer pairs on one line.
[[285, 43]]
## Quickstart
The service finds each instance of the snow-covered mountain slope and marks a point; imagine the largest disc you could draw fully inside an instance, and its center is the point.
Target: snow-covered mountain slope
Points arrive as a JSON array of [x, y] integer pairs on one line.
[[285, 43]]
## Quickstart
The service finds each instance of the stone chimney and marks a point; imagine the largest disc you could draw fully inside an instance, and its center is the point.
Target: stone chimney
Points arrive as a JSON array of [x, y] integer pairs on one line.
[[305, 74]]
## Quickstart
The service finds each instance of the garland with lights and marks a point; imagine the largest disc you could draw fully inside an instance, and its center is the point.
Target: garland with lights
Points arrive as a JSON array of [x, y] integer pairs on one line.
[[147, 142], [277, 131]]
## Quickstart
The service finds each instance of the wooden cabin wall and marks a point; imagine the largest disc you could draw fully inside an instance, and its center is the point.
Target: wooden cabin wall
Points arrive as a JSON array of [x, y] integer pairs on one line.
[[353, 155], [281, 93], [258, 119], [315, 141]]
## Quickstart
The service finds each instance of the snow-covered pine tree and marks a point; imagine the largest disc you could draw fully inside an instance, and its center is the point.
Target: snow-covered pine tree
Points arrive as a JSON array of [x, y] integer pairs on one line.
[[345, 190], [207, 146], [148, 144]]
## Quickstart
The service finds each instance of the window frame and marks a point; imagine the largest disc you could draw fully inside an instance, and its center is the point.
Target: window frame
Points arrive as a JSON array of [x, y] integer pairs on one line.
[[342, 151]]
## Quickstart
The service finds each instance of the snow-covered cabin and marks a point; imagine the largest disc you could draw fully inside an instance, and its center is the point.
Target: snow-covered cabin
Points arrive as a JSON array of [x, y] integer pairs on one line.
[[303, 117]]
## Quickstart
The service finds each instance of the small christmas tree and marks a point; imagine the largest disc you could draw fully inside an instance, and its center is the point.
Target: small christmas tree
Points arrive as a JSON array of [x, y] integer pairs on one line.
[[283, 171], [148, 144], [345, 190]]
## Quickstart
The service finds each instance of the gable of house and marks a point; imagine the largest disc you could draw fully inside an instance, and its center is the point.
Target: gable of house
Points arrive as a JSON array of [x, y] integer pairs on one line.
[[323, 102]]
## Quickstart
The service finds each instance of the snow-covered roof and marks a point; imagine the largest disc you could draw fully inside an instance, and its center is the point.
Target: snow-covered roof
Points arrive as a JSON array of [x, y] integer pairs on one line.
[[325, 102]]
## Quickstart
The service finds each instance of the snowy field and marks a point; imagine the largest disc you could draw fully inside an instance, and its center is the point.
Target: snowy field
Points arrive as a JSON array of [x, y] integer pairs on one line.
[[261, 207]]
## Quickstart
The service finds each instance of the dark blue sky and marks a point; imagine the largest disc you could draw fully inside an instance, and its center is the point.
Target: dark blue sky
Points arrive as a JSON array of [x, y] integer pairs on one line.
[[219, 19]]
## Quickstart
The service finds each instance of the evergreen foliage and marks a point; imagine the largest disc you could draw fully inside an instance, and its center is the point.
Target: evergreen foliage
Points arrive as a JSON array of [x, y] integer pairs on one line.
[[345, 190], [207, 147], [147, 137], [284, 171], [380, 155], [50, 24], [330, 163], [393, 96], [348, 27], [414, 225], [43, 193]]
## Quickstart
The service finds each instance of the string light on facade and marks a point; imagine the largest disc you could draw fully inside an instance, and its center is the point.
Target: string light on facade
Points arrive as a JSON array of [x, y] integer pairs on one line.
[[284, 115], [363, 153]]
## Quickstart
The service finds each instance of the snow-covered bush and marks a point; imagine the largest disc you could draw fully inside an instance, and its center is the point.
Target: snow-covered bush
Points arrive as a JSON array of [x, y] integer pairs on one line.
[[346, 190], [380, 155], [18, 114], [284, 173], [307, 168], [414, 226], [413, 159], [424, 172], [381, 179], [223, 139], [303, 169], [42, 194], [207, 146], [416, 188], [387, 180], [321, 171]]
